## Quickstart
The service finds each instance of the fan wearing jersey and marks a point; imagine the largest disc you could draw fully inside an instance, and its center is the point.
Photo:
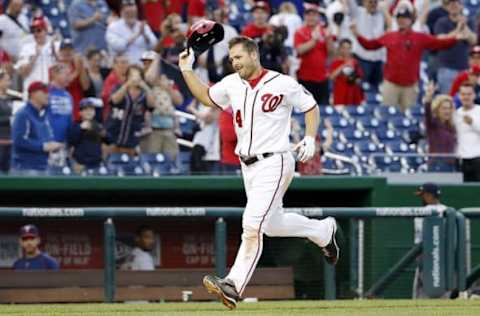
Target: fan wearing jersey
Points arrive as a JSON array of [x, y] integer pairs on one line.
[[262, 101]]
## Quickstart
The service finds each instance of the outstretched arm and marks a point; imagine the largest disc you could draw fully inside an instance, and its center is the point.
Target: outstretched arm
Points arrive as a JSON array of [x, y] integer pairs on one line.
[[198, 88]]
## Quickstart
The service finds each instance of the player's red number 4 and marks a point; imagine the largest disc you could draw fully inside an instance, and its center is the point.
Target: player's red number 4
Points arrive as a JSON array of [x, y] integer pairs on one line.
[[238, 118]]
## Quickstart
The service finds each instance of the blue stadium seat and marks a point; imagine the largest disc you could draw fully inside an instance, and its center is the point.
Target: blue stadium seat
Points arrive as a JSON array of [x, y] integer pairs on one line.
[[328, 111], [60, 171], [365, 147], [124, 165], [100, 171], [184, 162], [403, 124], [398, 146], [372, 123], [386, 134], [156, 164], [359, 111], [353, 134], [187, 126], [417, 111], [388, 112], [388, 164], [343, 149], [339, 122]]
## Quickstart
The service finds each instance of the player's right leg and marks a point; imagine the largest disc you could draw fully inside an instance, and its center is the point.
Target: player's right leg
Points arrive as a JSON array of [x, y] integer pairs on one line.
[[321, 232]]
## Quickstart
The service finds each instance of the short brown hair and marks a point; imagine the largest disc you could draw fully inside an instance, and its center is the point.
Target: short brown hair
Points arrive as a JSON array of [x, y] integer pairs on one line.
[[467, 85], [249, 44]]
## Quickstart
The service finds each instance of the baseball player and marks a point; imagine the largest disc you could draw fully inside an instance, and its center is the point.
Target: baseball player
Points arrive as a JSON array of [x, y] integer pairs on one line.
[[262, 102]]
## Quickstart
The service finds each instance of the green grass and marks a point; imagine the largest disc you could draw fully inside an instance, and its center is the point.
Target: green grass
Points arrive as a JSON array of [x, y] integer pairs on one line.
[[287, 308]]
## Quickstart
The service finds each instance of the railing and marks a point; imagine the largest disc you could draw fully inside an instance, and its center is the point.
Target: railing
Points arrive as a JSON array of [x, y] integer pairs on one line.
[[357, 238]]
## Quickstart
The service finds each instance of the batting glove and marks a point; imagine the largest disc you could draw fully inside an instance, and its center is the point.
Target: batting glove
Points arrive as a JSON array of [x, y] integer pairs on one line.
[[306, 149], [186, 60]]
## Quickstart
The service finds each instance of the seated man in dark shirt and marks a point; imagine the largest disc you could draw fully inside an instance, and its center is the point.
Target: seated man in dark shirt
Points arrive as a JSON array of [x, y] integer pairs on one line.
[[33, 258]]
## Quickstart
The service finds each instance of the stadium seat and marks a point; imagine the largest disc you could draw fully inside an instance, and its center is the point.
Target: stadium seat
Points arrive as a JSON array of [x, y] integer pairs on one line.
[[187, 127], [388, 164], [372, 123], [123, 165], [398, 146], [156, 164], [366, 147], [343, 149], [339, 122], [387, 112], [184, 162], [417, 111], [386, 134], [328, 111], [353, 134], [403, 124], [60, 171], [359, 111]]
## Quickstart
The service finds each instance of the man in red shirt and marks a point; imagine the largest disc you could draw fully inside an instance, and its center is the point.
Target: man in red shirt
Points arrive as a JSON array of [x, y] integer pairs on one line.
[[230, 163], [472, 74], [115, 78], [404, 52], [259, 26], [313, 43]]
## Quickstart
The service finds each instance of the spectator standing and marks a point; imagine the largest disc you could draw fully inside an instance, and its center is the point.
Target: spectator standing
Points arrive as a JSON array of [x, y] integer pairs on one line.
[[88, 19], [371, 24], [471, 75], [116, 77], [129, 102], [5, 122], [32, 135], [206, 142], [96, 74], [128, 35], [140, 259], [32, 257], [37, 56], [230, 164], [163, 121], [467, 124], [259, 25], [313, 44], [346, 74], [339, 20], [400, 84], [14, 29], [86, 138], [437, 13], [77, 80], [441, 134], [154, 13], [273, 53], [455, 59], [60, 102], [288, 17]]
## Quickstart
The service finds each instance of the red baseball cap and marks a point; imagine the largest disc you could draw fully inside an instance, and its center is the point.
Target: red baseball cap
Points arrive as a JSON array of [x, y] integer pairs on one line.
[[475, 70], [37, 86], [38, 23]]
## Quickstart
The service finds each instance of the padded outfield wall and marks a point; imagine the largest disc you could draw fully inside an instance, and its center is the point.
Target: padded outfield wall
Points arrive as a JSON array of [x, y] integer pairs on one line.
[[386, 239]]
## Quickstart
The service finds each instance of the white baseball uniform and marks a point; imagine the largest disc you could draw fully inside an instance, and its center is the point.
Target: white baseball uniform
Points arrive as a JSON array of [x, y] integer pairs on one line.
[[262, 123]]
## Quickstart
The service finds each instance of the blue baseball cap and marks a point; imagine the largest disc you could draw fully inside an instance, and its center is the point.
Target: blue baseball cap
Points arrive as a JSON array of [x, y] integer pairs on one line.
[[29, 231], [429, 187], [90, 102]]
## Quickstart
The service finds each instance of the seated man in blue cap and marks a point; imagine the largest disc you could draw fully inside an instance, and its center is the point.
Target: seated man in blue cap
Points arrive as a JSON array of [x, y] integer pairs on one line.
[[33, 258]]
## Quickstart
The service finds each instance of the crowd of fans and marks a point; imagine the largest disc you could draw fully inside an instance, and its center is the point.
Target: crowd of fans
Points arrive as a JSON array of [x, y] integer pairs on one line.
[[100, 77]]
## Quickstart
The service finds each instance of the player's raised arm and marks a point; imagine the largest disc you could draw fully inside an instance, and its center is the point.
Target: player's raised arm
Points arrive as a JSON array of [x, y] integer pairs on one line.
[[198, 88]]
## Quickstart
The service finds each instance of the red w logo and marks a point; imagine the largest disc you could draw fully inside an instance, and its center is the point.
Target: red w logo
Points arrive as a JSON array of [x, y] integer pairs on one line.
[[271, 102]]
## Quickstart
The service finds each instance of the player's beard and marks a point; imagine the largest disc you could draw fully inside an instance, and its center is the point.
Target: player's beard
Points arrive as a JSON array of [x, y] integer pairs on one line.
[[246, 72]]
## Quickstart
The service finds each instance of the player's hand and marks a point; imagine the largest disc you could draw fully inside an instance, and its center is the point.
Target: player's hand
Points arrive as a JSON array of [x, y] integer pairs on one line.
[[186, 60], [306, 149]]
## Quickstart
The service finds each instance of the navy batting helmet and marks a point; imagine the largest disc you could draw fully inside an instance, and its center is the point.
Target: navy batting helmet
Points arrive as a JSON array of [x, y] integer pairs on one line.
[[203, 35]]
